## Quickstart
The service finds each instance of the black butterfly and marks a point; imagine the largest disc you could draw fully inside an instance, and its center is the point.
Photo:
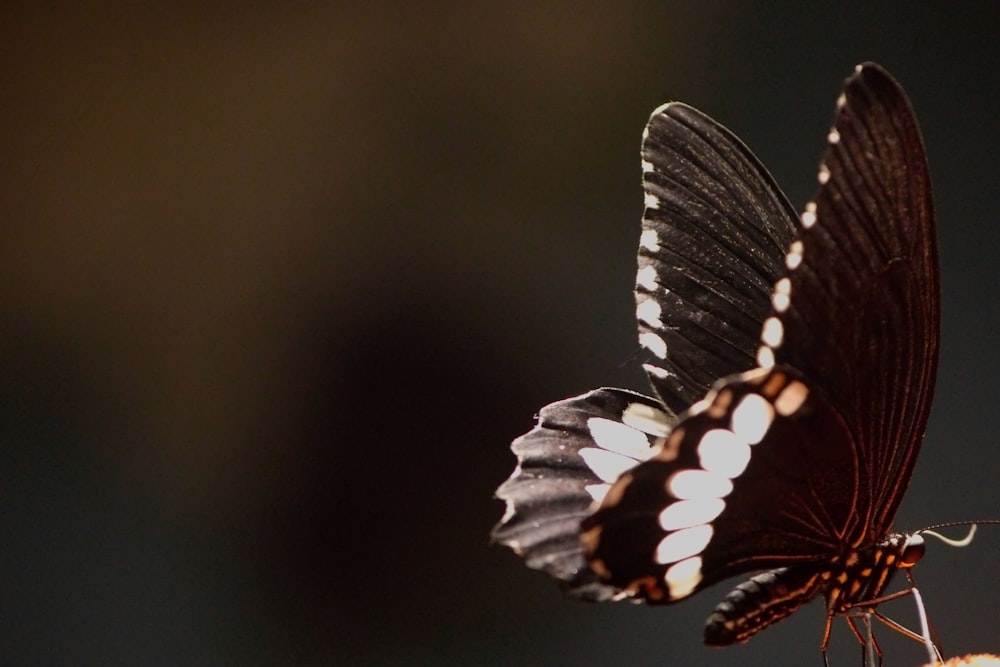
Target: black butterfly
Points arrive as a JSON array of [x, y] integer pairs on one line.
[[794, 366]]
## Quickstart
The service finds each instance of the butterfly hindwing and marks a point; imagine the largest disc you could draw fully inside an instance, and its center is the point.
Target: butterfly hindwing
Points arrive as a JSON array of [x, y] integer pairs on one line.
[[566, 464], [725, 493]]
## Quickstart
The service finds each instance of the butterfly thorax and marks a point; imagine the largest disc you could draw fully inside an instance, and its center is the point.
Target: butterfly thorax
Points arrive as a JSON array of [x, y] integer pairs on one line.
[[863, 574], [848, 582]]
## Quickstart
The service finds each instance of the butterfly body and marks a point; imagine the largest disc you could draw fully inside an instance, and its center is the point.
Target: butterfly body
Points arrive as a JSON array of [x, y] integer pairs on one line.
[[793, 360], [847, 582]]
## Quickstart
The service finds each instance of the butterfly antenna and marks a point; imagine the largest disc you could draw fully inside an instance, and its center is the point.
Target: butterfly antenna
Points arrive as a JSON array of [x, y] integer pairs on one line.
[[973, 525], [963, 542]]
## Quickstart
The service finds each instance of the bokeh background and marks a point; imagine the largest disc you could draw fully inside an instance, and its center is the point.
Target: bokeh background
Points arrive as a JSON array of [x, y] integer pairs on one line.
[[279, 282]]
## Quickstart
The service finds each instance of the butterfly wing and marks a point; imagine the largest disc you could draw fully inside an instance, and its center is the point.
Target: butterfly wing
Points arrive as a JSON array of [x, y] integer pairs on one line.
[[760, 474], [567, 463], [864, 313], [854, 324], [715, 230], [714, 234]]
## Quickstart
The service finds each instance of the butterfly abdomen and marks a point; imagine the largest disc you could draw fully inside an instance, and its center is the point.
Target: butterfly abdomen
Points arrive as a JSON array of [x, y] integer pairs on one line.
[[848, 582], [760, 601]]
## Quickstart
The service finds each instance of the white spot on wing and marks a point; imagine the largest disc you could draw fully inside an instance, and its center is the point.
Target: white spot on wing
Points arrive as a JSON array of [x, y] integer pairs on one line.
[[608, 466], [721, 451], [791, 398], [649, 311], [683, 544], [618, 438], [647, 419], [698, 484], [834, 136], [656, 371], [651, 200], [699, 406], [809, 215], [782, 296], [647, 166], [765, 357], [649, 240], [646, 277], [752, 418], [794, 256], [683, 577], [687, 513], [653, 343], [824, 174], [773, 332]]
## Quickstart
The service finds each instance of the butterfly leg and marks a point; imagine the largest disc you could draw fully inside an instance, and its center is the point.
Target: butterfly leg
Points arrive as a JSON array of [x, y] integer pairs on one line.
[[826, 640], [870, 650], [928, 636]]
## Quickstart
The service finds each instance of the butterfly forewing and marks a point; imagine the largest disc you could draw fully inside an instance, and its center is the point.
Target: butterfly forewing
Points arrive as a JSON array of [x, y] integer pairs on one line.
[[862, 315], [714, 235]]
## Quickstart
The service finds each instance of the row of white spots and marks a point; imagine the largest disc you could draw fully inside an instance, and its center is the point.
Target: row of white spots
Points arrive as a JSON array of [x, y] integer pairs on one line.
[[782, 290], [621, 445], [649, 311], [724, 454], [772, 334]]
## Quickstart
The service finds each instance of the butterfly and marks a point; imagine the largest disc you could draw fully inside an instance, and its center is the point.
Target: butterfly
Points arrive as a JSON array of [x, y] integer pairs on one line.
[[793, 360]]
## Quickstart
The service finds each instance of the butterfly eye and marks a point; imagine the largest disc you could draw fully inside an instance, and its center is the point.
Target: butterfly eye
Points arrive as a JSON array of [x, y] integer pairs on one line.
[[913, 551]]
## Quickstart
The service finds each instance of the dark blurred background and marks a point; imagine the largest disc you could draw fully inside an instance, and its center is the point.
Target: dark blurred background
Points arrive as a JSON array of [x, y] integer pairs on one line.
[[279, 282]]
